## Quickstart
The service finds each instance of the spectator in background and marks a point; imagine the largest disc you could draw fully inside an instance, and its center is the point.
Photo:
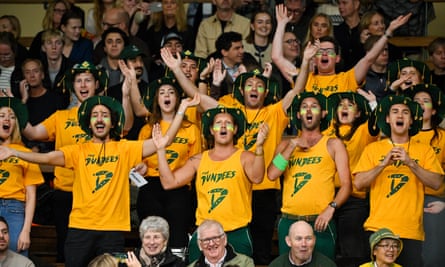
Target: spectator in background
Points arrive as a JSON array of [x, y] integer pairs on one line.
[[172, 19], [299, 18], [212, 241], [118, 18], [10, 70], [95, 15], [154, 233], [77, 48], [10, 23], [259, 41], [301, 241], [51, 21], [55, 63], [224, 20], [436, 50], [347, 34], [77, 10], [320, 25], [104, 260], [376, 85], [19, 178], [373, 23], [115, 41], [7, 256]]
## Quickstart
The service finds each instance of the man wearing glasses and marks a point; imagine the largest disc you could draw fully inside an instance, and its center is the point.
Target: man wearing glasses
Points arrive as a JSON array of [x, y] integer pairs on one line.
[[299, 19], [215, 251]]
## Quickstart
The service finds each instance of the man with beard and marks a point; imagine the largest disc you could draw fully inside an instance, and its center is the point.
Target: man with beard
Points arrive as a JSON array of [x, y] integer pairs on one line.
[[83, 80], [224, 20], [301, 240], [132, 67], [396, 171], [7, 256], [309, 163], [100, 213]]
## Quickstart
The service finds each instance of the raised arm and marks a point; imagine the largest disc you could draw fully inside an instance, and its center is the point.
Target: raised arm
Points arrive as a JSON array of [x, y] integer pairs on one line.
[[309, 52], [282, 154], [55, 158], [149, 147], [285, 66], [361, 68], [35, 133], [189, 88], [253, 163], [131, 84], [181, 176]]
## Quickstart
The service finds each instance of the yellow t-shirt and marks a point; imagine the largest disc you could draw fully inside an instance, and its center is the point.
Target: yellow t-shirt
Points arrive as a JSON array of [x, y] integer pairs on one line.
[[101, 191], [277, 120], [396, 195], [186, 144], [224, 192], [308, 185], [16, 174], [354, 146], [438, 145], [63, 128], [329, 84]]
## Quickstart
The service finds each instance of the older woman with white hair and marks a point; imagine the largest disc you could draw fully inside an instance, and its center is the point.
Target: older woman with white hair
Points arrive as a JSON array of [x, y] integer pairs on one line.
[[154, 233]]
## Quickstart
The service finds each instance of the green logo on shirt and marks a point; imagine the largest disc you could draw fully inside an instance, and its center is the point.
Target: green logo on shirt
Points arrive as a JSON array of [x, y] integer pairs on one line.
[[71, 123], [217, 196], [401, 179], [301, 179], [4, 175], [102, 178], [216, 177]]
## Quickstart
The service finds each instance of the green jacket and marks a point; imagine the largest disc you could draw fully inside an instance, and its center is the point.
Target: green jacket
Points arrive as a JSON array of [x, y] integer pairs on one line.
[[232, 258], [318, 260]]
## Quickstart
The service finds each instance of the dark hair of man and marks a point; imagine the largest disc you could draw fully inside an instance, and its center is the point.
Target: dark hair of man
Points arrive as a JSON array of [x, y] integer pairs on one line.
[[69, 15], [2, 219], [369, 43], [226, 39], [116, 30], [435, 44], [7, 38]]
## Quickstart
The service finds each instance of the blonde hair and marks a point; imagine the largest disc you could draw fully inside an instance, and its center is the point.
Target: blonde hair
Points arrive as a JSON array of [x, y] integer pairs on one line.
[[48, 22], [309, 32], [15, 24], [104, 260], [157, 19]]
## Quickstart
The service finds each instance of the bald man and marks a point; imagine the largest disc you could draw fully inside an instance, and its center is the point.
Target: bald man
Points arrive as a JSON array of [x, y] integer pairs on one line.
[[301, 240]]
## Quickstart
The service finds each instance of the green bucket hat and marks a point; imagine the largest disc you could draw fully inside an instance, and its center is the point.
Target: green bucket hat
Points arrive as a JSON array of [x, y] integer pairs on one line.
[[272, 89], [395, 67], [209, 115], [200, 62], [130, 52], [87, 67], [295, 107], [20, 110], [84, 114], [362, 104], [382, 111], [154, 86], [436, 94], [383, 233]]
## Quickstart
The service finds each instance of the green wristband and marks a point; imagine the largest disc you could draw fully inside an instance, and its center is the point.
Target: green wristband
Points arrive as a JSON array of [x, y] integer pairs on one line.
[[280, 162]]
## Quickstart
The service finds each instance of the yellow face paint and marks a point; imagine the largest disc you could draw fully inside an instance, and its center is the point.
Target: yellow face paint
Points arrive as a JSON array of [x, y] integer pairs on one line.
[[217, 127], [350, 108], [259, 88], [428, 105], [314, 111]]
